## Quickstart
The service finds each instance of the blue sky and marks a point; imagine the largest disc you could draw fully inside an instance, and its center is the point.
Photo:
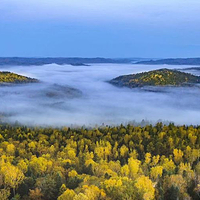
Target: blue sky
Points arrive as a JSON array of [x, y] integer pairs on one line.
[[91, 28]]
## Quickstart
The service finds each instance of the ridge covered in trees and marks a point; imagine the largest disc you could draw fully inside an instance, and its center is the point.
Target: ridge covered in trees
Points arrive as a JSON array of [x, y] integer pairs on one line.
[[107, 163], [9, 77], [160, 77]]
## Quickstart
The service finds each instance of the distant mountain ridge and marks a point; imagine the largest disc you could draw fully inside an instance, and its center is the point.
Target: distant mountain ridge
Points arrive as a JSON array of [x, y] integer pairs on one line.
[[78, 61], [60, 61], [172, 61]]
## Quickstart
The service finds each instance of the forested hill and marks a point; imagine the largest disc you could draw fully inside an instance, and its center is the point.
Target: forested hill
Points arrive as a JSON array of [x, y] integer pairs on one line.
[[118, 163], [8, 77], [172, 61], [161, 77]]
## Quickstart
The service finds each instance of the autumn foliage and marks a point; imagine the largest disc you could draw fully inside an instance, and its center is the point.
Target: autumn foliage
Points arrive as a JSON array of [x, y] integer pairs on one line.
[[106, 163]]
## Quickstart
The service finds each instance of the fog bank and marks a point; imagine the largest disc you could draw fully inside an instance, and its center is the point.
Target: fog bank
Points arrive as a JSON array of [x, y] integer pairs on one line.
[[80, 95]]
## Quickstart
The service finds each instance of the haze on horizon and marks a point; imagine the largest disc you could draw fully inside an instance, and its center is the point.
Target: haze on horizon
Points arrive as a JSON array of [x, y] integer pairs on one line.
[[114, 28]]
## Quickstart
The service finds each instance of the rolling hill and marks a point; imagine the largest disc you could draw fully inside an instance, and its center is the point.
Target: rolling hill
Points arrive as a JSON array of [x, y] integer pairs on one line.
[[161, 77]]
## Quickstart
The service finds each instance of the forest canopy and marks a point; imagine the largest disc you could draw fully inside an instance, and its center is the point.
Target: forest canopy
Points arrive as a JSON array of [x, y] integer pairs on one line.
[[118, 163]]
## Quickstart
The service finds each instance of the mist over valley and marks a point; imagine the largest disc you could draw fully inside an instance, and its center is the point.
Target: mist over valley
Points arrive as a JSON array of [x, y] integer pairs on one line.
[[81, 95]]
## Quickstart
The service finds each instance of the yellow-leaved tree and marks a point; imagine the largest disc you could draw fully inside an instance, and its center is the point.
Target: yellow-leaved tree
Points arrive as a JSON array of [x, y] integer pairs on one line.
[[156, 172], [134, 166], [145, 187], [67, 195], [13, 176], [178, 154]]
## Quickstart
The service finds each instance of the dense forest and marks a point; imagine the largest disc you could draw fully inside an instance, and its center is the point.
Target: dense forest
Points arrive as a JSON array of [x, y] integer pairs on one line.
[[160, 77], [9, 77], [107, 163]]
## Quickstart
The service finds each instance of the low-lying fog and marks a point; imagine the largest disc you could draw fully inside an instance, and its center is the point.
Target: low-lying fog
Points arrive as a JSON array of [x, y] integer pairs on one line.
[[93, 101]]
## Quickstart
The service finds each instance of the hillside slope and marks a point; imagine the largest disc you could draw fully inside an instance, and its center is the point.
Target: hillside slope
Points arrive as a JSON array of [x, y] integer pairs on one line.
[[9, 77], [161, 77]]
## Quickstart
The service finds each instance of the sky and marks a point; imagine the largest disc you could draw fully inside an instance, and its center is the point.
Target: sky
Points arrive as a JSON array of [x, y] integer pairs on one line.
[[100, 28]]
